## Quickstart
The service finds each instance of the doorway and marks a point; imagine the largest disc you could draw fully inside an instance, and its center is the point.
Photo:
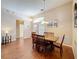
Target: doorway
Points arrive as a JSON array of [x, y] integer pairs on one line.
[[19, 29]]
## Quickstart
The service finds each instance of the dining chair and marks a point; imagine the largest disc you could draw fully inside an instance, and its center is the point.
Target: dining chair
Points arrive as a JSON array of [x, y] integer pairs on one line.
[[43, 45], [59, 45], [10, 38], [40, 42], [6, 39], [3, 40], [49, 35], [45, 32], [34, 39]]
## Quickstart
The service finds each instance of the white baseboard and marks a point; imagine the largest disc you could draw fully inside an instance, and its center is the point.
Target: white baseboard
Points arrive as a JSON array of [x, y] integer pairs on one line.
[[13, 40], [26, 37], [68, 45]]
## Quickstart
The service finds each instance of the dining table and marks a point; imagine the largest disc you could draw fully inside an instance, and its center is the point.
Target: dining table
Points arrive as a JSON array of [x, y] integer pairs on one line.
[[48, 37], [51, 39], [45, 41]]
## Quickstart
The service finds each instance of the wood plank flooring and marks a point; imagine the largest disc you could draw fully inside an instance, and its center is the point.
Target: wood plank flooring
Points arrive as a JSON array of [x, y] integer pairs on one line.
[[22, 49]]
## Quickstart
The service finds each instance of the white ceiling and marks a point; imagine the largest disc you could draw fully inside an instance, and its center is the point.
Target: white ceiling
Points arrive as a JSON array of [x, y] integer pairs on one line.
[[30, 7]]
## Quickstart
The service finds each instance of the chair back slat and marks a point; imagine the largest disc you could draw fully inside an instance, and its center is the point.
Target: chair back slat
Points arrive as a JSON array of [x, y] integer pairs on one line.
[[40, 36], [33, 34]]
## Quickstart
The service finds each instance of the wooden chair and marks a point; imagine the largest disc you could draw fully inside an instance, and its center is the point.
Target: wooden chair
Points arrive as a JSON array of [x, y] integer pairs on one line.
[[40, 42], [3, 40], [45, 32], [60, 45], [43, 45], [10, 38], [6, 38], [34, 39]]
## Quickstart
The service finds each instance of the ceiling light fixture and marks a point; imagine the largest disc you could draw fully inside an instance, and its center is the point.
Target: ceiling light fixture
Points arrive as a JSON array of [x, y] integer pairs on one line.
[[37, 20], [44, 22]]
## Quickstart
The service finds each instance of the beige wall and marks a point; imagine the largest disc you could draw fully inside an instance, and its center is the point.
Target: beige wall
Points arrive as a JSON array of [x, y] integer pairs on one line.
[[8, 23], [64, 16], [74, 31], [74, 42]]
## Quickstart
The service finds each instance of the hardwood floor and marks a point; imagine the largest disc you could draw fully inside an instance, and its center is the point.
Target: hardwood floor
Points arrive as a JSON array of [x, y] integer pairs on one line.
[[22, 49]]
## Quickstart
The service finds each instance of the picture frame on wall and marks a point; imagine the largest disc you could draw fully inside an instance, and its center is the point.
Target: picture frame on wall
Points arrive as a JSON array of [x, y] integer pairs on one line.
[[75, 15], [50, 24], [53, 23]]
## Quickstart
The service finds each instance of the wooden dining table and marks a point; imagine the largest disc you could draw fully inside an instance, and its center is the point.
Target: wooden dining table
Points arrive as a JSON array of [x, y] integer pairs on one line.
[[50, 38], [47, 39]]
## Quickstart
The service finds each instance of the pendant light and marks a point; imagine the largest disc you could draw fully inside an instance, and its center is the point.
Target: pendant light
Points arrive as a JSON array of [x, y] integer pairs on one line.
[[44, 22]]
